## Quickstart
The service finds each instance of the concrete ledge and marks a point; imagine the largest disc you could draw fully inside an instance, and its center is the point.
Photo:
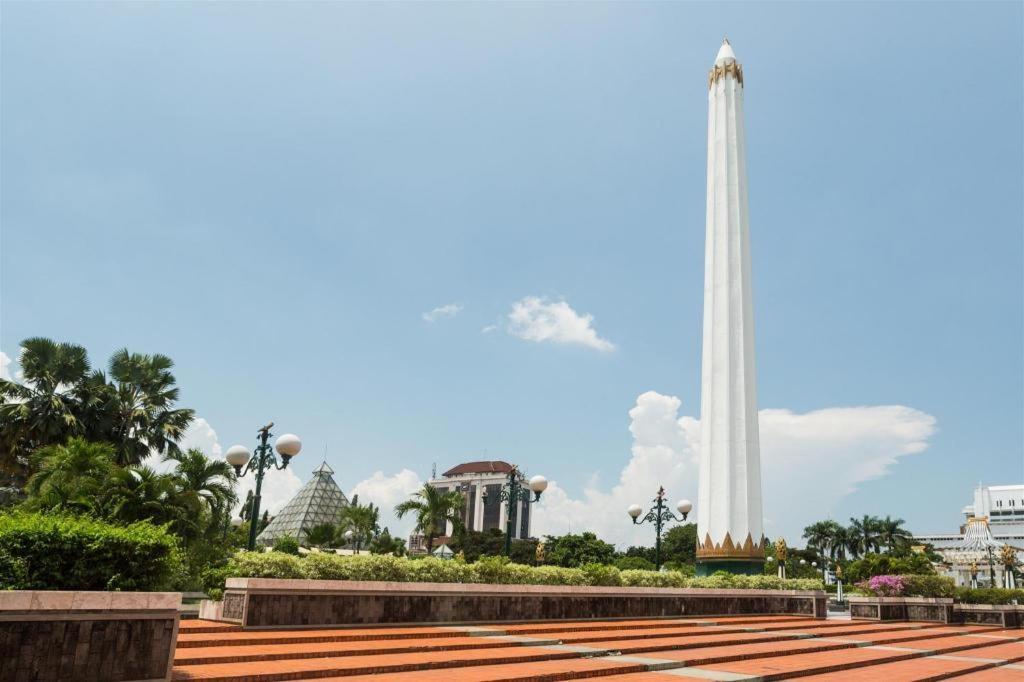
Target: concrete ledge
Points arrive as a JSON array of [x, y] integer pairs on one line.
[[88, 636], [930, 609], [1002, 615], [267, 602]]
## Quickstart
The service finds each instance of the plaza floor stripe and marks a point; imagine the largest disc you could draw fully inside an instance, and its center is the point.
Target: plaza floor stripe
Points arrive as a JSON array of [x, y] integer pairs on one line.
[[1003, 673]]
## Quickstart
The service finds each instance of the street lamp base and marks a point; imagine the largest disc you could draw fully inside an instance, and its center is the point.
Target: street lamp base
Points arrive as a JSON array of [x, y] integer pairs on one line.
[[707, 567]]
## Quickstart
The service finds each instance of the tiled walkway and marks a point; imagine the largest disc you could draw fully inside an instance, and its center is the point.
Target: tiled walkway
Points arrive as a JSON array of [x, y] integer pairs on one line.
[[718, 648]]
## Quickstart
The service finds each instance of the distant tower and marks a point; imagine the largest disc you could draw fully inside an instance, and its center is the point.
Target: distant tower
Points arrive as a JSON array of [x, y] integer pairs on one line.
[[729, 532]]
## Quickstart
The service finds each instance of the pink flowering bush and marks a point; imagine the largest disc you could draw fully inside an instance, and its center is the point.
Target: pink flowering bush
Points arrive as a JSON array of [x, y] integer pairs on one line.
[[884, 585]]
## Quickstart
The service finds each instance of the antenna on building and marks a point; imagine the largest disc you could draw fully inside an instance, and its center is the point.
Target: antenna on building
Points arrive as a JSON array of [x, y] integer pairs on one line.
[[433, 470]]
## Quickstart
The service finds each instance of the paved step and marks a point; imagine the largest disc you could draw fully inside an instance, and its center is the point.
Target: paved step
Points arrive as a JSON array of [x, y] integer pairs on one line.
[[194, 625], [1002, 673]]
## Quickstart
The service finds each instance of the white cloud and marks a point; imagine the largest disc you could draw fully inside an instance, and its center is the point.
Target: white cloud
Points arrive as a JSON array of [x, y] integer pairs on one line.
[[445, 311], [538, 319], [278, 488], [5, 366], [386, 492], [810, 461], [488, 329]]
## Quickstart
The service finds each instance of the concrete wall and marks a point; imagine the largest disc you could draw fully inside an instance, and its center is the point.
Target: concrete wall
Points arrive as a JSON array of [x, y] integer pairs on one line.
[[264, 603], [87, 636]]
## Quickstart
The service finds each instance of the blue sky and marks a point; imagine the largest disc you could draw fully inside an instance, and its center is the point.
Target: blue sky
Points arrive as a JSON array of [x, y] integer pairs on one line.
[[274, 194]]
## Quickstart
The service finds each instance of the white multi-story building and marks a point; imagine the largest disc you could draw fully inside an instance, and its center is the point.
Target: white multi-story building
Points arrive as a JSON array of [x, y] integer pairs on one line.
[[481, 511], [1002, 505]]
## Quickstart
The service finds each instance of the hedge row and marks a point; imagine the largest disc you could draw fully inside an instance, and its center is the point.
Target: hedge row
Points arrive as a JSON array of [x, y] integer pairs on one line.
[[55, 552], [491, 570]]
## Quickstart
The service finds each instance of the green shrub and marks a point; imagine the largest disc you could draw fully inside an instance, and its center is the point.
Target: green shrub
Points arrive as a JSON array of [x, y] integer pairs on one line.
[[433, 570], [58, 552], [287, 545], [491, 570], [496, 570], [871, 565], [988, 595], [928, 586], [601, 575], [653, 579], [556, 575], [634, 563], [266, 565]]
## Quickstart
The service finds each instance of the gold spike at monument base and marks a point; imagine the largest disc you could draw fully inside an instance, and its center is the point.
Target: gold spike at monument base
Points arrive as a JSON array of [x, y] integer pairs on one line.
[[748, 551], [718, 72]]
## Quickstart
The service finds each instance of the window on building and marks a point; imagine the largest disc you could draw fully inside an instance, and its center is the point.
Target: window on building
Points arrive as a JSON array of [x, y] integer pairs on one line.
[[999, 503], [469, 515], [524, 520], [492, 507]]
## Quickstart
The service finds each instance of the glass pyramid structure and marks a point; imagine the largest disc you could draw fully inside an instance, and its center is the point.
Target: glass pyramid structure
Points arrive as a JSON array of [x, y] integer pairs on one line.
[[319, 501]]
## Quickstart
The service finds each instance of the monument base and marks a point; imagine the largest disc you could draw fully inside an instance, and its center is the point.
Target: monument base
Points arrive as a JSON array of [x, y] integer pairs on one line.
[[706, 567]]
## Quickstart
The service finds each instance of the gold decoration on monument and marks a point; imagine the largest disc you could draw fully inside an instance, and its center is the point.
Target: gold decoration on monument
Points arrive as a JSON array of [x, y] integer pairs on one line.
[[718, 72], [730, 550], [539, 552], [1008, 555], [781, 551]]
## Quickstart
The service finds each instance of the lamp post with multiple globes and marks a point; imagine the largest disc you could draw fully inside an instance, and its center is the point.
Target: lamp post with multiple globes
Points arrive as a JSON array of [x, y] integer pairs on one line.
[[513, 492], [287, 445], [659, 515]]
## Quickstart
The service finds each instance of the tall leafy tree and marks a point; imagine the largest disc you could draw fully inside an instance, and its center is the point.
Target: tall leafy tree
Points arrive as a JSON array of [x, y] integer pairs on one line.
[[139, 493], [362, 519], [892, 534], [433, 507], [205, 484], [43, 409], [863, 535], [322, 535], [145, 419], [827, 537], [575, 550]]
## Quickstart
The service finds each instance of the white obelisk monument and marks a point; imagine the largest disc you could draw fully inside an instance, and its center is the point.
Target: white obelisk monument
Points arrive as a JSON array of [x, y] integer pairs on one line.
[[729, 531]]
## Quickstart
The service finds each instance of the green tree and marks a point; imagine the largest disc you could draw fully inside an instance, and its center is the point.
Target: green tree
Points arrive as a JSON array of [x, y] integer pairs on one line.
[[571, 551], [43, 409], [679, 544], [69, 477], [629, 563], [207, 484], [827, 538], [863, 535], [385, 544], [432, 507], [141, 494], [322, 535], [892, 535], [362, 519], [142, 397]]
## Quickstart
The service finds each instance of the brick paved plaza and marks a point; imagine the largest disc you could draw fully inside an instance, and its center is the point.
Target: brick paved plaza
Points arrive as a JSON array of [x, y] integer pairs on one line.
[[714, 648]]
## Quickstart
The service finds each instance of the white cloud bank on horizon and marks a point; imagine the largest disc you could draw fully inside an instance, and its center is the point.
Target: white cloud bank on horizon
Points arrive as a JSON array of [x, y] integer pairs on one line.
[[447, 310], [540, 320], [801, 454]]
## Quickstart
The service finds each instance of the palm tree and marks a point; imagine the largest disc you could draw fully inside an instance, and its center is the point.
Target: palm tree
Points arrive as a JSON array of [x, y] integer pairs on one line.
[[322, 535], [362, 520], [139, 493], [863, 535], [206, 484], [143, 397], [892, 534], [69, 476], [826, 537], [433, 507], [42, 409]]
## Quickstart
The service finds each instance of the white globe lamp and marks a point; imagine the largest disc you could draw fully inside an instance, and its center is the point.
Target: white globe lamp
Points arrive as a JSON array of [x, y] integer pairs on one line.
[[238, 456], [684, 507], [634, 511], [288, 445]]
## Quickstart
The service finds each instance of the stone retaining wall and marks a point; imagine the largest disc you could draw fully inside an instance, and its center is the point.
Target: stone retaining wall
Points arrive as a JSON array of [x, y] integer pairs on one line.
[[936, 610], [267, 603], [87, 636], [1002, 615]]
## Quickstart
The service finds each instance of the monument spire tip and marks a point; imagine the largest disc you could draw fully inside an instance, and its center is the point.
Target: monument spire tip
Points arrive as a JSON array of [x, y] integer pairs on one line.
[[725, 53]]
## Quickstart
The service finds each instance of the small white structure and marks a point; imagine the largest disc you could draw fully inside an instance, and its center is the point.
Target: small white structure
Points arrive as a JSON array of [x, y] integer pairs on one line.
[[729, 526]]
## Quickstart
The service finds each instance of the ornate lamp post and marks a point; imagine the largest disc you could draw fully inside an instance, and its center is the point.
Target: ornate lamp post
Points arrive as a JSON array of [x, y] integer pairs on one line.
[[287, 445], [1008, 557], [780, 553], [512, 493], [839, 583], [659, 515]]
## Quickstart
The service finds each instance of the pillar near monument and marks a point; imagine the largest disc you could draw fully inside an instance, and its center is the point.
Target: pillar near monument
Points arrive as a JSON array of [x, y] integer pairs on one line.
[[729, 527]]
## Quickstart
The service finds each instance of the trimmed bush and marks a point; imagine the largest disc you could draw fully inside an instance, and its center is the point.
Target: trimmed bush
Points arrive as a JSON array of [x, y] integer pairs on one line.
[[602, 575], [286, 544], [928, 586], [988, 595], [58, 552], [490, 570]]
